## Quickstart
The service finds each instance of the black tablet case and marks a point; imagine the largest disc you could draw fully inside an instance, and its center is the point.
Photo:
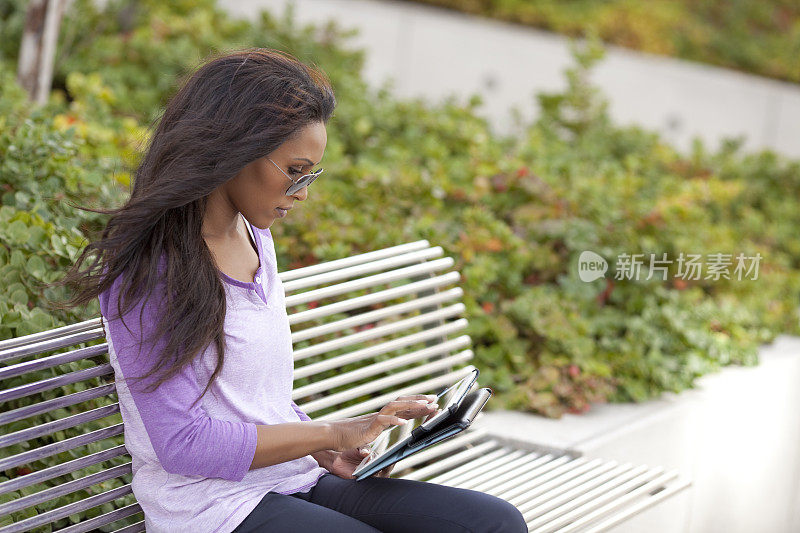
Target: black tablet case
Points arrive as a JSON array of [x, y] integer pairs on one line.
[[421, 438]]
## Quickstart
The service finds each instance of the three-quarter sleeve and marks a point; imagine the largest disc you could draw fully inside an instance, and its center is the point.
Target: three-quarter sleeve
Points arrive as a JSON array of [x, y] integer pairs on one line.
[[185, 439], [304, 417]]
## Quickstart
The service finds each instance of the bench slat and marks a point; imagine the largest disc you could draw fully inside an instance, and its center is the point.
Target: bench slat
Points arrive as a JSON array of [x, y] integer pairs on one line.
[[28, 348], [357, 259], [549, 475], [61, 446], [435, 351], [388, 329], [578, 502], [377, 314], [364, 300], [426, 387], [93, 523], [48, 384], [558, 494], [53, 472], [52, 360], [61, 332], [64, 488], [417, 259], [28, 411], [388, 381], [58, 425], [377, 368], [66, 510], [445, 460], [138, 527], [624, 510], [499, 466], [509, 480], [384, 278]]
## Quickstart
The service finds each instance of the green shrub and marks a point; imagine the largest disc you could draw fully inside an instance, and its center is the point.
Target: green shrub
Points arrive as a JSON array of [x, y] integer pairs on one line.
[[515, 212]]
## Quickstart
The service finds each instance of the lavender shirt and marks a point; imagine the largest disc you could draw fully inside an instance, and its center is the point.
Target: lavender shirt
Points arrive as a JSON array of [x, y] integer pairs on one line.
[[191, 466]]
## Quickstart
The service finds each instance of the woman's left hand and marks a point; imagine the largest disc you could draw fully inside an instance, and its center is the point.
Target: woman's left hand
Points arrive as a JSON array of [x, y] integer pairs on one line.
[[346, 462]]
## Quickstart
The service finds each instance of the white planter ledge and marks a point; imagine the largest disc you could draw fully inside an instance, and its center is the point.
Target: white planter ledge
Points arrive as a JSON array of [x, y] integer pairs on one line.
[[736, 436]]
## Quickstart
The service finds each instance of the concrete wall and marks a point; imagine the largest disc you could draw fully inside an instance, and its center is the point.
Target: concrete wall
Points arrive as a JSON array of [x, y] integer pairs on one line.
[[736, 436], [433, 52]]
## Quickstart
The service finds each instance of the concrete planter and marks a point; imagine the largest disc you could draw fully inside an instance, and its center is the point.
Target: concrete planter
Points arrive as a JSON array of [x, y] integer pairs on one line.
[[432, 53], [736, 436]]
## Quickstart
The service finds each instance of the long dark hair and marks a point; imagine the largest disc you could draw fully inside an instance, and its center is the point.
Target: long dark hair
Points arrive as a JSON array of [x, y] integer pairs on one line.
[[234, 109]]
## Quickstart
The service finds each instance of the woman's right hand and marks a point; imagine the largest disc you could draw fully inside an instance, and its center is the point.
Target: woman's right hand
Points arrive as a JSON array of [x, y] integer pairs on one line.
[[357, 431]]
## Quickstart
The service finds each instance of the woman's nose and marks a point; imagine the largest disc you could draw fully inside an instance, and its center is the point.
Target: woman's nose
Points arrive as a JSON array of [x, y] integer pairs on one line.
[[301, 195]]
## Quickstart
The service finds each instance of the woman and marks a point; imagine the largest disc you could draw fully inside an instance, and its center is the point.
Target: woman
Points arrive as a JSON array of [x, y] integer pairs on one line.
[[194, 312]]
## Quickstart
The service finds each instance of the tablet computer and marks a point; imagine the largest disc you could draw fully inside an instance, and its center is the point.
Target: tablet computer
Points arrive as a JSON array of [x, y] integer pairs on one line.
[[395, 437]]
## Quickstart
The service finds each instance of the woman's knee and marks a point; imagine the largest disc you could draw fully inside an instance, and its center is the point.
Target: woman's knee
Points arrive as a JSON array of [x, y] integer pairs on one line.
[[496, 515], [509, 518]]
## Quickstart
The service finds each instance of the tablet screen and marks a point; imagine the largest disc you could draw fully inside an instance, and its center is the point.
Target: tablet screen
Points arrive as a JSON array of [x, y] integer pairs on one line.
[[448, 397], [396, 436]]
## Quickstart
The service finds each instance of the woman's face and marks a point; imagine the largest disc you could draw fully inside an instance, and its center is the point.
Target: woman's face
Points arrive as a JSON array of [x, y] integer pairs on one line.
[[259, 188]]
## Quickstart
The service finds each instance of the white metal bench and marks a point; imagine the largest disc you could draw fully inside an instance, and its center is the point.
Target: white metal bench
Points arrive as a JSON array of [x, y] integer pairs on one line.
[[366, 329]]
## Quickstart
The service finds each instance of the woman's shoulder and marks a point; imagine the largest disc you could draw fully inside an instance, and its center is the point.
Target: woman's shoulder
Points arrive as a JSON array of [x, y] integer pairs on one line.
[[110, 298]]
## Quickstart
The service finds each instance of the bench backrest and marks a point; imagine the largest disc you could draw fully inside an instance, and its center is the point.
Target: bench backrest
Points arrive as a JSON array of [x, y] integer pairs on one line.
[[365, 329]]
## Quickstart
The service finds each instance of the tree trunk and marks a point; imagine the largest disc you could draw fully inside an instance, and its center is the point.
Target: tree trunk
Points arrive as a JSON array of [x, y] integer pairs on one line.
[[37, 50]]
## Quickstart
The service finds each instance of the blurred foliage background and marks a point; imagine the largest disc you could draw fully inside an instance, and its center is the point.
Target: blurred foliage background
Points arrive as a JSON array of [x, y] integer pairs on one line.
[[756, 36], [515, 212]]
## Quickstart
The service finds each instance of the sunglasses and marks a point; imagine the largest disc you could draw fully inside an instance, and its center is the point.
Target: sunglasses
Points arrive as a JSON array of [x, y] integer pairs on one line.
[[302, 181]]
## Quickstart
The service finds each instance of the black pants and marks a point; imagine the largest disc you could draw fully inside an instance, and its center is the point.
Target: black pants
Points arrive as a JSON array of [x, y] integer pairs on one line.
[[336, 504]]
